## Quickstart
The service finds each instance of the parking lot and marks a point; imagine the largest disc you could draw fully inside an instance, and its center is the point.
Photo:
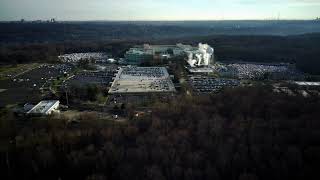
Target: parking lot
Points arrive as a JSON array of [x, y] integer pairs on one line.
[[28, 85], [259, 71], [41, 77], [76, 57], [102, 77], [206, 84]]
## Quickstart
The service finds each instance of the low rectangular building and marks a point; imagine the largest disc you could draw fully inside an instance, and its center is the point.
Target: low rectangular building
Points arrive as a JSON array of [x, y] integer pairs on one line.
[[137, 56], [305, 83], [45, 107], [142, 80]]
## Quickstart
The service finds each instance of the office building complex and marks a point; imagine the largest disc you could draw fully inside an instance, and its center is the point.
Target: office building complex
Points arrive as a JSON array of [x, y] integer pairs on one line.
[[137, 56], [203, 55]]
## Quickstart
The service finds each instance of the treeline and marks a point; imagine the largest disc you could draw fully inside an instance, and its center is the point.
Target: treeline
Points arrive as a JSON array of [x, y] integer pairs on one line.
[[59, 32], [302, 50], [16, 32], [80, 92], [239, 134], [48, 52]]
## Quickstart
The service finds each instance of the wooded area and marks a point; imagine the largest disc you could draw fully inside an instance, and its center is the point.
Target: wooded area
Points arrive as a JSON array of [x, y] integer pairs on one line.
[[303, 50], [242, 133]]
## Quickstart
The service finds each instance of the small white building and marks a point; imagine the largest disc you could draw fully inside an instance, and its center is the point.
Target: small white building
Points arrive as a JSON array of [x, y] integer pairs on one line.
[[305, 83], [45, 107]]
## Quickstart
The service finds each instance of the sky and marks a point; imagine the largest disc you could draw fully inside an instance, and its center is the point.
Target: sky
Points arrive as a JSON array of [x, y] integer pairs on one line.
[[158, 9]]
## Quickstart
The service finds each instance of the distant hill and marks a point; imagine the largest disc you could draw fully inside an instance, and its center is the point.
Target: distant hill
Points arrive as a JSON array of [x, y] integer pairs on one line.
[[146, 30], [256, 41]]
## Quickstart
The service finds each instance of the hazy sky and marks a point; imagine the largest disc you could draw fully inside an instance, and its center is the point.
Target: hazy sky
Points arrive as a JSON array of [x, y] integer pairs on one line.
[[158, 9]]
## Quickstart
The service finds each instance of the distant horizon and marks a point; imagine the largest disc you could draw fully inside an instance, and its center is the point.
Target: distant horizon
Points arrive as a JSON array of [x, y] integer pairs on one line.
[[141, 20], [159, 10]]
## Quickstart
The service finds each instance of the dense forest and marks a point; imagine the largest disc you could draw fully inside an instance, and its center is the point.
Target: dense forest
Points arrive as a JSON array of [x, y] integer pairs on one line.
[[240, 134], [34, 32], [258, 41], [303, 50]]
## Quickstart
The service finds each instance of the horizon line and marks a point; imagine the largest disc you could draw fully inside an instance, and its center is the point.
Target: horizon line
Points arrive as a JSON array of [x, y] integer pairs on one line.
[[149, 20]]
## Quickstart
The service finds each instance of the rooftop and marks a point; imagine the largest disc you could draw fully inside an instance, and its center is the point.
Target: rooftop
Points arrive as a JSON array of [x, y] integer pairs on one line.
[[142, 79], [304, 83], [200, 69], [44, 107]]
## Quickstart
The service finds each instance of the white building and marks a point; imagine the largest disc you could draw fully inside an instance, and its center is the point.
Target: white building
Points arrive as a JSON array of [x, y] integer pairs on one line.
[[305, 83], [203, 56], [45, 107]]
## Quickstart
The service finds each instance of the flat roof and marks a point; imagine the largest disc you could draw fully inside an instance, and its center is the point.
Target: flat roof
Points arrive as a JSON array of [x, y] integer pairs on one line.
[[305, 83], [200, 69], [142, 80], [43, 107]]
